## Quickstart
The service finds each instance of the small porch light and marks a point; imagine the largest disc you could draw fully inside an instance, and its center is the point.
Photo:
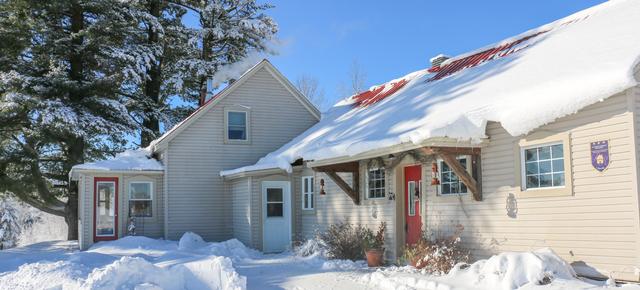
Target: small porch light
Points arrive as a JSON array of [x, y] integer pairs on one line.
[[434, 174], [322, 192]]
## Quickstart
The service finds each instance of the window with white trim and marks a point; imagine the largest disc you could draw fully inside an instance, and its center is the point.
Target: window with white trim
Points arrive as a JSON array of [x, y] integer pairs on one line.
[[140, 199], [449, 181], [307, 192], [543, 166], [237, 126], [412, 197], [376, 182]]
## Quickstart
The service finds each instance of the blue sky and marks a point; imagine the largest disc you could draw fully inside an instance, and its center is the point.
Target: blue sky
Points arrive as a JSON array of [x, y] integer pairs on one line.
[[389, 39]]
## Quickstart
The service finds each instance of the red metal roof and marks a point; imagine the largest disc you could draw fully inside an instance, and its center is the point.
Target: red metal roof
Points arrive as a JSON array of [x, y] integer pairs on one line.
[[378, 93], [479, 58]]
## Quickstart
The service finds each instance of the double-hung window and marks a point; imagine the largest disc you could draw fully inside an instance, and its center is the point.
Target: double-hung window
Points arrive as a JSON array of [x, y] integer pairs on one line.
[[376, 182], [449, 181], [307, 193], [140, 199], [237, 126], [543, 166]]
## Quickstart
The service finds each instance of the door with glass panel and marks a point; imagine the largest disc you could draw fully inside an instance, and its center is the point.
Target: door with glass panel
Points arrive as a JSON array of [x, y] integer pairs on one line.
[[276, 199], [105, 214]]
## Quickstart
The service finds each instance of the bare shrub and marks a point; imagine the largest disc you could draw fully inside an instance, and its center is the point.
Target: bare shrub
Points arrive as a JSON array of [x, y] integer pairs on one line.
[[345, 241], [438, 256]]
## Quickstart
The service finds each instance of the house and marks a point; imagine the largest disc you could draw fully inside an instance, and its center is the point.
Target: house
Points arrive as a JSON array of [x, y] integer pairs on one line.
[[180, 189], [530, 142]]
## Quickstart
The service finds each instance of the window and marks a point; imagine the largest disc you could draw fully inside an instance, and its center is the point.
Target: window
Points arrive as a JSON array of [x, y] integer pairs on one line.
[[412, 196], [275, 202], [307, 192], [449, 181], [543, 166], [237, 126], [140, 199], [376, 182]]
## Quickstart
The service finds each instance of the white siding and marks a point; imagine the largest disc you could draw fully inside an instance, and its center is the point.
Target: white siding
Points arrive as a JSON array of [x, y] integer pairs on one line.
[[336, 206], [151, 227], [241, 210], [598, 225], [197, 198]]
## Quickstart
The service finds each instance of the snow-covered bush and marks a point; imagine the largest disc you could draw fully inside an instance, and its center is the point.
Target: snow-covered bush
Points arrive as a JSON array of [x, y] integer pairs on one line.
[[344, 241], [10, 227], [314, 247], [438, 256]]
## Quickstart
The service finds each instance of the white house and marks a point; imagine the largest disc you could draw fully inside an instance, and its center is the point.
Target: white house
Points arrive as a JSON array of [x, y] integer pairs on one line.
[[529, 142]]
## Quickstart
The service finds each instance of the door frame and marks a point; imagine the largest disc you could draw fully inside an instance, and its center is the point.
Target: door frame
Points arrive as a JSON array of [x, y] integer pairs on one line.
[[113, 180], [286, 186]]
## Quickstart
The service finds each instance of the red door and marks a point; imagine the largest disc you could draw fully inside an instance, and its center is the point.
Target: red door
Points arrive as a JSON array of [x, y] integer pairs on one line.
[[413, 183]]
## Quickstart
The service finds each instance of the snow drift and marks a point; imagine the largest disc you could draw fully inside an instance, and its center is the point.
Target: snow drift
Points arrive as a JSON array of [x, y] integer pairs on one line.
[[569, 64]]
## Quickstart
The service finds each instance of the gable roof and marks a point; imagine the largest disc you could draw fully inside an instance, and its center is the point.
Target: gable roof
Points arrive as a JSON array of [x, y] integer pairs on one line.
[[523, 82], [163, 140]]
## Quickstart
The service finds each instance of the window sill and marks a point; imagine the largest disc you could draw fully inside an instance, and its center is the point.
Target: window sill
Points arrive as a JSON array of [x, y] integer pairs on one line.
[[237, 142], [452, 195], [545, 192], [310, 211]]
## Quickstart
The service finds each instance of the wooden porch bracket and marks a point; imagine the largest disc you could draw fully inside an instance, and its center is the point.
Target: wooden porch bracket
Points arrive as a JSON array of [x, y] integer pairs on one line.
[[350, 167], [449, 156], [398, 158]]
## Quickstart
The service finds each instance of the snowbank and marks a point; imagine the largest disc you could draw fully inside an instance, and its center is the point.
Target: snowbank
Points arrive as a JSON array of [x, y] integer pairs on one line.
[[127, 263], [568, 63], [191, 241], [134, 160], [514, 270], [505, 271]]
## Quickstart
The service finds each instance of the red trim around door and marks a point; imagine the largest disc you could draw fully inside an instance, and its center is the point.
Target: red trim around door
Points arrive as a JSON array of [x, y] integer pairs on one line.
[[95, 198]]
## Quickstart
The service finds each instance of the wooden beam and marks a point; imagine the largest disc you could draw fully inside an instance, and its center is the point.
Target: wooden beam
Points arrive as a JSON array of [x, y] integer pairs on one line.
[[461, 172], [398, 158], [340, 167], [353, 193], [451, 150]]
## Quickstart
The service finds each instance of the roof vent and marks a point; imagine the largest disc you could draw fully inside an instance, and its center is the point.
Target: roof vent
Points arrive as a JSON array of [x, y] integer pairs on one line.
[[437, 60]]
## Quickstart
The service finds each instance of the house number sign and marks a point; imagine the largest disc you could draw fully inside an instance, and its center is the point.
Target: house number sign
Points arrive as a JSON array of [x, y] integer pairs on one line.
[[600, 155]]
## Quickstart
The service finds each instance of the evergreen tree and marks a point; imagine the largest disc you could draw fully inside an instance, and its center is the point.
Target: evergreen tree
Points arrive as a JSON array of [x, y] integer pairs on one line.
[[228, 32], [62, 69], [9, 225]]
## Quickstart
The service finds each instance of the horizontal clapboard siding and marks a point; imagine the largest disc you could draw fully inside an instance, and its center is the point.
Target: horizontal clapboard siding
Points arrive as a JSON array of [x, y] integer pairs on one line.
[[151, 227], [336, 206], [241, 210], [597, 225], [198, 201]]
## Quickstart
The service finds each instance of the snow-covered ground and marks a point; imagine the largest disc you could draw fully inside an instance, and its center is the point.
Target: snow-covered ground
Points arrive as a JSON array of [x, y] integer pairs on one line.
[[144, 263]]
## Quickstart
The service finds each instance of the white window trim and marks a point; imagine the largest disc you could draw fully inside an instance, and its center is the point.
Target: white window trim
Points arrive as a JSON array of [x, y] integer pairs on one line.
[[247, 116], [367, 193], [151, 199], [440, 162], [523, 173], [412, 201], [310, 193]]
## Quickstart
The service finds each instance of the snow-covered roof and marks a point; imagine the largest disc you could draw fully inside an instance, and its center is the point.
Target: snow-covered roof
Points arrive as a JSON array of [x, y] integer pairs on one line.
[[522, 82], [129, 160]]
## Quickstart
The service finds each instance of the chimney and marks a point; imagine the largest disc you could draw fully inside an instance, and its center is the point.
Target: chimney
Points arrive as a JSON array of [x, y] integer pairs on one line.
[[437, 60]]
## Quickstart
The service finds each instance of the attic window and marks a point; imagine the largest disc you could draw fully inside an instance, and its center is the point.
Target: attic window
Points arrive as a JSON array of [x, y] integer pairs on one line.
[[237, 126]]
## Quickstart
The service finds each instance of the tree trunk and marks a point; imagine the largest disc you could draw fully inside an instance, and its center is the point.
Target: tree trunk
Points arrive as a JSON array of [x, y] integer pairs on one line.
[[71, 212], [206, 56], [151, 124], [75, 145]]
